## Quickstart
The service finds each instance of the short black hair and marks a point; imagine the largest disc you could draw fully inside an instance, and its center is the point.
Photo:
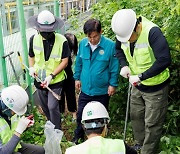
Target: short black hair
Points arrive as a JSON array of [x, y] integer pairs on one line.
[[92, 25], [98, 130], [94, 131], [72, 41]]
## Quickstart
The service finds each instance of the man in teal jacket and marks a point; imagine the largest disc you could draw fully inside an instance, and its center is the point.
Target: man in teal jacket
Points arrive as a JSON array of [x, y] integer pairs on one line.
[[96, 70]]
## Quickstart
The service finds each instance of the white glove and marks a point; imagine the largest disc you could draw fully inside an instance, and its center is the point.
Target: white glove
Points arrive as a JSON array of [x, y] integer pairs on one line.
[[47, 80], [32, 72], [22, 125], [125, 72], [134, 80]]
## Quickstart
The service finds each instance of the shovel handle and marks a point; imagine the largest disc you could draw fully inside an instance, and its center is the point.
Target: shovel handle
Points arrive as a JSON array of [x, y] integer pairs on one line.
[[58, 97]]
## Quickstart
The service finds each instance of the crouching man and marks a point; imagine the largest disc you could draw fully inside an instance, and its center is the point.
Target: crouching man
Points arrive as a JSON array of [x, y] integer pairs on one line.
[[13, 104], [95, 119]]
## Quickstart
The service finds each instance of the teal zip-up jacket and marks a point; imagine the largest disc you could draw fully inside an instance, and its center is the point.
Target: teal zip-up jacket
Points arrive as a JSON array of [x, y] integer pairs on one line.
[[98, 70]]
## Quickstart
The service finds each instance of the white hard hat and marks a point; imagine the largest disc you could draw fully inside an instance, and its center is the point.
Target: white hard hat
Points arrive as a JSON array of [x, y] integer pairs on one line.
[[15, 98], [123, 24], [94, 110], [45, 18], [45, 21]]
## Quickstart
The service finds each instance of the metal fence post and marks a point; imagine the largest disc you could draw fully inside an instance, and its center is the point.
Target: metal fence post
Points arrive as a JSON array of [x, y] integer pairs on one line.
[[2, 60], [56, 8], [24, 45], [56, 11]]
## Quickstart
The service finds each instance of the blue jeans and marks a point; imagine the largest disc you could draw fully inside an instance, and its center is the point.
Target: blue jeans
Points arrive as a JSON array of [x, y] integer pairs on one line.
[[83, 100]]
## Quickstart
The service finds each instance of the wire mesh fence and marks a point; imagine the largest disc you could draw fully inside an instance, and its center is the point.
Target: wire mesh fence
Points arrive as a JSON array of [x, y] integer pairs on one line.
[[12, 39]]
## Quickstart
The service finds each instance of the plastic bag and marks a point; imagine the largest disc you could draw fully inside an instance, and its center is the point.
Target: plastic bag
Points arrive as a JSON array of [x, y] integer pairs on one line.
[[53, 139]]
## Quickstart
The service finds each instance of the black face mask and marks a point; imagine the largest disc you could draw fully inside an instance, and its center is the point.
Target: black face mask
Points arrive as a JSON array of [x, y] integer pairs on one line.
[[47, 35], [5, 110]]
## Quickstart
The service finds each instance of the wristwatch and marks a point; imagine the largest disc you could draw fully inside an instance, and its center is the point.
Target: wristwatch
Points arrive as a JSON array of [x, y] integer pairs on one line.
[[140, 76], [53, 76]]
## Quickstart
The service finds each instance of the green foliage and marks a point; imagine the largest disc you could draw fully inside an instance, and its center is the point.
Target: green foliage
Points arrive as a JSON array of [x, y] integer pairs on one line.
[[76, 24], [104, 14], [166, 14], [170, 145], [35, 134], [118, 102], [73, 19], [172, 124]]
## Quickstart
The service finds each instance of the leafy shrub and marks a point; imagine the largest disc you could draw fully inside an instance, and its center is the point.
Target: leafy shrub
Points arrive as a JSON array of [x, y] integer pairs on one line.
[[170, 145]]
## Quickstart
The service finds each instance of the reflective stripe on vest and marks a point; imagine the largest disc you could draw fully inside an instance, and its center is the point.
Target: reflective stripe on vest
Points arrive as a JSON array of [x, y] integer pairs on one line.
[[6, 133], [45, 68], [143, 56]]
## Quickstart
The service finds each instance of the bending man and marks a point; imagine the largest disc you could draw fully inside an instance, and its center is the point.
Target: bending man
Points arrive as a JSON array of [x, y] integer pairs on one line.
[[141, 43]]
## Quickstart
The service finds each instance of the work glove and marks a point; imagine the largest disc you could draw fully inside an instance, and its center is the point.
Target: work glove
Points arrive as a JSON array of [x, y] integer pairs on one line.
[[47, 81], [134, 80], [125, 72], [32, 72], [31, 118], [22, 125]]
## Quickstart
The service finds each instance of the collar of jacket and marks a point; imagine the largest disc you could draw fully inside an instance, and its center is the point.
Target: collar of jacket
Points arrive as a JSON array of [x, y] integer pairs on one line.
[[101, 44]]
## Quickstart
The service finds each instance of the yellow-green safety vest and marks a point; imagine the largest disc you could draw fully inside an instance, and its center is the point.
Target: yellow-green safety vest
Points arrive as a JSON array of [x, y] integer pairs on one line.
[[97, 145], [143, 56], [109, 146], [45, 68], [6, 133]]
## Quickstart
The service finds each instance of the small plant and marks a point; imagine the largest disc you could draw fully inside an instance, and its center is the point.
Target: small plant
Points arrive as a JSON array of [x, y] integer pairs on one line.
[[170, 145], [35, 134]]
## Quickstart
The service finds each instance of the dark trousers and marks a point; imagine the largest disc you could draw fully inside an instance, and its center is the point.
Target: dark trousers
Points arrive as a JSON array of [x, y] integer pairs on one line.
[[83, 100], [30, 149], [50, 105], [148, 111], [68, 93]]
